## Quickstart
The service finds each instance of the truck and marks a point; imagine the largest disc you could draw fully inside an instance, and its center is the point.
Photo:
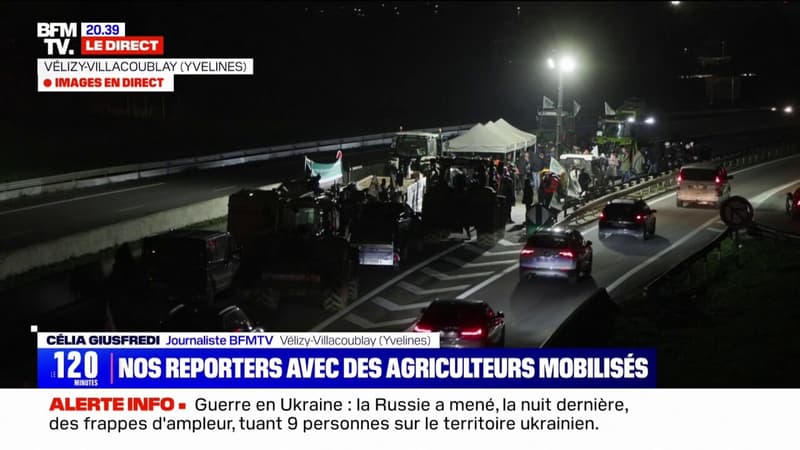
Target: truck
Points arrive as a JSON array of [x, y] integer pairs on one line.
[[292, 247], [413, 150]]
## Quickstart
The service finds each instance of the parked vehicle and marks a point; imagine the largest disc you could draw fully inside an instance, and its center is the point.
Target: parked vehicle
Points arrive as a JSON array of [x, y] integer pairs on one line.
[[208, 318], [190, 265], [386, 233]]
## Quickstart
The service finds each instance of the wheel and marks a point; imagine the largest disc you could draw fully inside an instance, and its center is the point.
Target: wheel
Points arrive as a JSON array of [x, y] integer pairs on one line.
[[602, 236], [487, 240], [788, 206], [502, 341], [522, 277], [645, 233], [574, 276], [587, 273], [679, 203], [338, 298]]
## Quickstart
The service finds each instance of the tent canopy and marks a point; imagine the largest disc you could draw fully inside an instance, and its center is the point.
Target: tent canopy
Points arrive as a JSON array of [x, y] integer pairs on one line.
[[494, 137], [480, 139]]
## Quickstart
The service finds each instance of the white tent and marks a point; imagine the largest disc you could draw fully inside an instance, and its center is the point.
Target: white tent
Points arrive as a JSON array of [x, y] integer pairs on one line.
[[480, 139], [528, 138], [512, 138]]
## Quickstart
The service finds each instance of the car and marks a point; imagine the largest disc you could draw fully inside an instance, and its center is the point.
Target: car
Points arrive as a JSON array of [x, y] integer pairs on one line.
[[556, 252], [190, 265], [629, 217], [208, 318], [704, 184], [462, 323]]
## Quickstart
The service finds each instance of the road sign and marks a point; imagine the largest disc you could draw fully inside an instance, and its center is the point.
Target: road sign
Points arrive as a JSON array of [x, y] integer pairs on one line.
[[736, 212], [538, 214]]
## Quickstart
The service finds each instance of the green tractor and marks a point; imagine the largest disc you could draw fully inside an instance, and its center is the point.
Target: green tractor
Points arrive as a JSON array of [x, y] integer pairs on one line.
[[617, 129]]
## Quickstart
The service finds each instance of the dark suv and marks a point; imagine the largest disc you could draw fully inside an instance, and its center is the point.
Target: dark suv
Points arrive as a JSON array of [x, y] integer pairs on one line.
[[627, 217], [190, 265]]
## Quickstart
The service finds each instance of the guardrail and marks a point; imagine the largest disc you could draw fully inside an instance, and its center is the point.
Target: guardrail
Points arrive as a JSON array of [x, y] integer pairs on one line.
[[681, 274], [116, 174], [648, 187]]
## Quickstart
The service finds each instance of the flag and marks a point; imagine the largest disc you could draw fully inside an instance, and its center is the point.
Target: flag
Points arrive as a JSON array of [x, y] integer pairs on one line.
[[609, 110], [547, 103], [576, 108]]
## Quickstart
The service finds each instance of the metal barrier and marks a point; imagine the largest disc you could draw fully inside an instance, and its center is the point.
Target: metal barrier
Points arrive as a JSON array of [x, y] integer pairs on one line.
[[107, 175], [680, 275]]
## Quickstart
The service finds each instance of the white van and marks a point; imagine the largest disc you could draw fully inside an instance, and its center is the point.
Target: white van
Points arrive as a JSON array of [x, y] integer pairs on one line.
[[704, 184]]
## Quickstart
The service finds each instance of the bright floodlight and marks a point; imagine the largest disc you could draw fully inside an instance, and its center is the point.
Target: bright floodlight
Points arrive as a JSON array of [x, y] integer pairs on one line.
[[631, 120], [650, 120], [567, 64], [550, 63], [773, 109], [675, 3], [788, 110]]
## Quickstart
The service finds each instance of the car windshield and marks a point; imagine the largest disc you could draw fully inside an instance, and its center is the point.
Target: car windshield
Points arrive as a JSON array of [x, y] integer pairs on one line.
[[411, 145], [698, 174], [620, 210], [454, 314], [548, 241]]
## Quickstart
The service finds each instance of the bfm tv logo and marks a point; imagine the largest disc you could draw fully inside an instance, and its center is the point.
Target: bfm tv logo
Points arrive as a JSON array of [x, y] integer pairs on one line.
[[57, 36]]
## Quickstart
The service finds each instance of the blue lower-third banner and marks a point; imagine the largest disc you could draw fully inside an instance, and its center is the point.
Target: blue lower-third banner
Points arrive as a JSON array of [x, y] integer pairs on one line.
[[345, 368]]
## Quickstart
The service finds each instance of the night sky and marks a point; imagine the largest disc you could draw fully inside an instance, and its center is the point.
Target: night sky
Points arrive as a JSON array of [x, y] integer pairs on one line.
[[336, 69]]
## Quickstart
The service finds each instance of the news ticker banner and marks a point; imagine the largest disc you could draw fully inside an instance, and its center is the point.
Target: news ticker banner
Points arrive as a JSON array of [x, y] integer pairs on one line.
[[354, 419], [104, 60], [330, 360]]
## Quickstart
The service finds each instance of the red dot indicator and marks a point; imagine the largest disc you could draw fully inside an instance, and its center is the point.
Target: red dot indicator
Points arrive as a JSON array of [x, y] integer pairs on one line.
[[47, 82], [181, 405]]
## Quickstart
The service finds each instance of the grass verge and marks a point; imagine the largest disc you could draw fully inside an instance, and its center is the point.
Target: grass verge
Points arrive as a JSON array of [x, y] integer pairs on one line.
[[734, 325]]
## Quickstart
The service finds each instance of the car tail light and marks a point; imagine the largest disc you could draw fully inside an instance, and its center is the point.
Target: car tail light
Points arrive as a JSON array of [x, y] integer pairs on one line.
[[527, 251], [717, 179], [422, 328], [602, 216], [640, 218], [798, 203], [472, 332], [680, 177], [566, 253]]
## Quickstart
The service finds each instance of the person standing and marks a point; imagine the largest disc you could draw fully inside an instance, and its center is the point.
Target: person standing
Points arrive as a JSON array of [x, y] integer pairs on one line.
[[507, 189], [537, 166], [527, 194]]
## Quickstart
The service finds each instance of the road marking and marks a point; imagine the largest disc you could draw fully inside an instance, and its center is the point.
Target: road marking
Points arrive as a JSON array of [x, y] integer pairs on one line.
[[461, 263], [445, 277], [658, 255], [480, 251], [416, 290], [368, 324], [392, 306], [84, 197], [507, 243], [715, 230], [374, 292], [131, 208], [224, 188], [761, 198], [488, 281]]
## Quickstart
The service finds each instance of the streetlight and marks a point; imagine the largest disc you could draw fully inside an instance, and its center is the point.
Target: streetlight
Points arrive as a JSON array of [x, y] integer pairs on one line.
[[565, 65], [650, 120], [788, 110]]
